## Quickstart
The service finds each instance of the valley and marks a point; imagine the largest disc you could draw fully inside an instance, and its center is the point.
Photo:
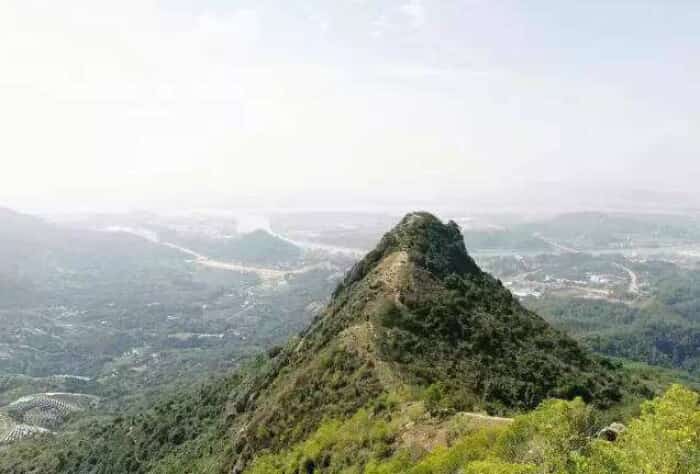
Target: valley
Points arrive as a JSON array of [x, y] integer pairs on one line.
[[126, 323]]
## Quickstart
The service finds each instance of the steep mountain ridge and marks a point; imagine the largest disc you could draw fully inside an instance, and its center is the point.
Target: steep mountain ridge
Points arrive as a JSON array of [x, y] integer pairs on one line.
[[415, 314]]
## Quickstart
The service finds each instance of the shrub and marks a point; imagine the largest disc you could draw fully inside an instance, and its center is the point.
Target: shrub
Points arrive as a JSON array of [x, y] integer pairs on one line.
[[665, 439], [547, 435], [498, 467]]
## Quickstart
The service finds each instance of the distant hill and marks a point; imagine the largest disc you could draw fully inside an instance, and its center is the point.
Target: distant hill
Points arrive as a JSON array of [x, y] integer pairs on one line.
[[25, 243], [43, 261], [22, 236], [503, 240], [585, 230]]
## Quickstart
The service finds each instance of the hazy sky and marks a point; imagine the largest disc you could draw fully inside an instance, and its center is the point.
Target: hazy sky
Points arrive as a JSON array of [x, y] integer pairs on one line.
[[144, 102]]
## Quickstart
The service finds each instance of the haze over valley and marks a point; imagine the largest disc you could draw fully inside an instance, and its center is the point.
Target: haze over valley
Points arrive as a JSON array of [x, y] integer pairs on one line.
[[355, 237]]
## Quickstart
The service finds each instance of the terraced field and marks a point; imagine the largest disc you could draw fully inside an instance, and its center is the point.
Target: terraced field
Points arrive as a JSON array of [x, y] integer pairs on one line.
[[40, 413], [21, 431], [6, 426]]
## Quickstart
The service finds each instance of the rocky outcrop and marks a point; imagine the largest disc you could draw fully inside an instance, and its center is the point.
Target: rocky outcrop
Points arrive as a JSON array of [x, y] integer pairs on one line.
[[612, 433]]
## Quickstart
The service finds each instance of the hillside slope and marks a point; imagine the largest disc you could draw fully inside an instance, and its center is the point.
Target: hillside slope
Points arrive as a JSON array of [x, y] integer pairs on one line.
[[416, 313]]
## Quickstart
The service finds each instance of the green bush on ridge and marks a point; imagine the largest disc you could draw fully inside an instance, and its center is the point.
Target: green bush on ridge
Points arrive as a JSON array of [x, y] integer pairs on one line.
[[556, 438]]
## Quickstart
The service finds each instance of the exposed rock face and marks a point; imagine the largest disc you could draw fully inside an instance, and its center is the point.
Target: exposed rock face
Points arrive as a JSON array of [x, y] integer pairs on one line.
[[612, 432], [436, 246]]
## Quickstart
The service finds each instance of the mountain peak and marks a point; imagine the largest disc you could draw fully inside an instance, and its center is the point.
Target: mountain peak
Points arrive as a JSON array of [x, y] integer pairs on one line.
[[434, 245], [429, 243], [416, 227]]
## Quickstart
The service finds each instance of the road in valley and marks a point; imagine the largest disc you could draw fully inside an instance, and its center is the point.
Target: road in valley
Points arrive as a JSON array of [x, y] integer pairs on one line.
[[556, 245], [634, 281], [264, 273], [199, 259]]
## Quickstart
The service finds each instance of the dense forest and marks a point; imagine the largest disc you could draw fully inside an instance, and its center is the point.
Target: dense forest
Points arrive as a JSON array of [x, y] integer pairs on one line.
[[663, 330], [189, 432]]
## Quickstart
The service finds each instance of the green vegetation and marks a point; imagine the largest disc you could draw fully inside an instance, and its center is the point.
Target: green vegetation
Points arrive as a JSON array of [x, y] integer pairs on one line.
[[651, 333], [652, 318], [662, 329], [558, 437], [335, 445], [187, 427], [437, 247], [475, 328], [664, 439]]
